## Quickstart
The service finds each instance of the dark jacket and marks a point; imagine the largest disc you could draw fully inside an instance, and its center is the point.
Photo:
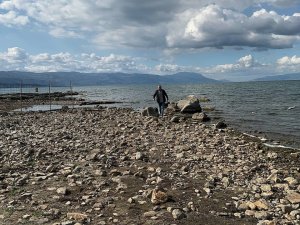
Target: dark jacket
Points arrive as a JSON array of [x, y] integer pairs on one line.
[[165, 96]]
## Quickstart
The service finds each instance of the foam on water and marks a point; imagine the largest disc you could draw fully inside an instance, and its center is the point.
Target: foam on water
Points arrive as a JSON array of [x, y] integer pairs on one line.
[[39, 108]]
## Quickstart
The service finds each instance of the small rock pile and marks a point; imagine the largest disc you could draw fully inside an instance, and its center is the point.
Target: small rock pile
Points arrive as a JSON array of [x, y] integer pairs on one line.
[[115, 166]]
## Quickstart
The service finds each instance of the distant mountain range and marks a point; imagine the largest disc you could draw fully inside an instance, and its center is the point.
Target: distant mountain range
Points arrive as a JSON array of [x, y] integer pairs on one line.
[[14, 78], [292, 76], [87, 79]]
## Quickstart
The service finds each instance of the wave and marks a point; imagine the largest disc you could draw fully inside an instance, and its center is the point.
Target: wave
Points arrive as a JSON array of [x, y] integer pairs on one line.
[[270, 145]]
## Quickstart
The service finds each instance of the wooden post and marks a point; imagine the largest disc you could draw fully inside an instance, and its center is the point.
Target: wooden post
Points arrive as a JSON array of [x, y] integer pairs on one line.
[[50, 95], [71, 89], [21, 90]]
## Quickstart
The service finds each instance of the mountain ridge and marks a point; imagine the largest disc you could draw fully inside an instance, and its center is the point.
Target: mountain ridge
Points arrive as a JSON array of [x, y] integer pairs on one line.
[[88, 79], [290, 76]]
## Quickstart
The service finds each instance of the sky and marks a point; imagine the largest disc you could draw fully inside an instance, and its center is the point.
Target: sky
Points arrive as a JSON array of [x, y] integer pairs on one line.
[[236, 40]]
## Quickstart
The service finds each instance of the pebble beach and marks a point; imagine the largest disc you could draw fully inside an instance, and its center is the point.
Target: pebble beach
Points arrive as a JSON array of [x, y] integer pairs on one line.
[[116, 166]]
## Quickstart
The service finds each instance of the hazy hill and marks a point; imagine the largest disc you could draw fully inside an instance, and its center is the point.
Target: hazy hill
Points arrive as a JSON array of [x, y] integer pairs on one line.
[[86, 79], [292, 76]]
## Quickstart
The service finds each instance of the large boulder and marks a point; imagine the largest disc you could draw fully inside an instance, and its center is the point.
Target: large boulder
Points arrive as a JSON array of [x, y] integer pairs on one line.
[[150, 111], [171, 109], [189, 105]]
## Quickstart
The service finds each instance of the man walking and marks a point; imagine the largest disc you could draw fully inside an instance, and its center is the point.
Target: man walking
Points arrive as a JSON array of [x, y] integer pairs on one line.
[[161, 97]]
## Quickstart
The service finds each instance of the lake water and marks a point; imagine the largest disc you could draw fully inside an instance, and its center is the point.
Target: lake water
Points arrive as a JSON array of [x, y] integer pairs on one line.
[[270, 109], [264, 108]]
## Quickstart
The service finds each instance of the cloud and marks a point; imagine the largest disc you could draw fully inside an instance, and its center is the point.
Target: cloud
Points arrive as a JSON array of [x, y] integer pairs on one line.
[[62, 33], [11, 18], [14, 59], [173, 68], [294, 60], [17, 59], [14, 55], [288, 64], [244, 68], [214, 26], [246, 63], [158, 24]]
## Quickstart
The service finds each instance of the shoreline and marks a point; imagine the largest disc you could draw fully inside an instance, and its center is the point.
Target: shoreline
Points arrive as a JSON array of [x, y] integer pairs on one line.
[[68, 99], [110, 161], [270, 140]]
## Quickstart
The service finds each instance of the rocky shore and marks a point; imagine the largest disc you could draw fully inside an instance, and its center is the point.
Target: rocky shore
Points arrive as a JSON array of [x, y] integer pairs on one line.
[[117, 166], [10, 102]]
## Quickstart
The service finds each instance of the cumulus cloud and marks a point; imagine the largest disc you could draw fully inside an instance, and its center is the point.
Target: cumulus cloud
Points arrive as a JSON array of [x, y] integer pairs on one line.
[[214, 26], [244, 68], [14, 55], [173, 68], [11, 18], [290, 64], [14, 59], [17, 59], [158, 24], [246, 63], [294, 60]]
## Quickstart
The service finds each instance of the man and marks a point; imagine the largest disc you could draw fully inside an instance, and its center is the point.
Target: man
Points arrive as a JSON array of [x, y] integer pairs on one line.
[[161, 98]]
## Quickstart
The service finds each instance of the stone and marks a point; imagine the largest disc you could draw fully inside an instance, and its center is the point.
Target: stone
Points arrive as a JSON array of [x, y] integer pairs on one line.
[[261, 215], [249, 212], [159, 197], [273, 177], [64, 108], [295, 214], [26, 216], [150, 214], [220, 125], [150, 111], [207, 190], [175, 119], [62, 191], [226, 181], [189, 105], [184, 157], [251, 205], [266, 187], [272, 155], [291, 181], [243, 206], [69, 222], [293, 197], [261, 205], [139, 156], [239, 215], [178, 214], [267, 222], [286, 208], [77, 216], [201, 117]]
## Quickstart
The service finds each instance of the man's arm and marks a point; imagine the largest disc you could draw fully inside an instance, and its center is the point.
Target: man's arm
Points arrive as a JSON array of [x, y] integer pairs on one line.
[[154, 95]]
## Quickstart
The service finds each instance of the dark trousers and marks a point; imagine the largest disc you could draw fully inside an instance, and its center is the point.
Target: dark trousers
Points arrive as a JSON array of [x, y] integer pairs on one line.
[[161, 108]]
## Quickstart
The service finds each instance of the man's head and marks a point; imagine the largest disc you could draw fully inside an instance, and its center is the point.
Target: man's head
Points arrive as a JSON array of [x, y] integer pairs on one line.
[[159, 87]]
